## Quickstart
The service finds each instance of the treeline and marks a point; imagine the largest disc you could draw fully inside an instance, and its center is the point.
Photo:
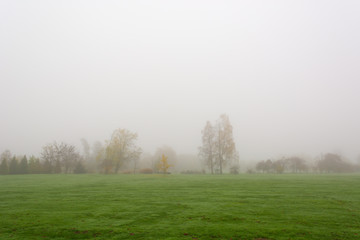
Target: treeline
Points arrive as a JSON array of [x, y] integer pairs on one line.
[[118, 154], [22, 165], [218, 150], [329, 163]]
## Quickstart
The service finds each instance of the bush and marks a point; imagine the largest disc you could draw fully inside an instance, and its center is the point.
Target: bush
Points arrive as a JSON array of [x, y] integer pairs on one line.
[[250, 171], [234, 169], [191, 172], [146, 171]]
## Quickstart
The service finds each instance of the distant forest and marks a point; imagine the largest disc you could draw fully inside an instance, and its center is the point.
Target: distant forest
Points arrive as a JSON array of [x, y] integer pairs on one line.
[[120, 154]]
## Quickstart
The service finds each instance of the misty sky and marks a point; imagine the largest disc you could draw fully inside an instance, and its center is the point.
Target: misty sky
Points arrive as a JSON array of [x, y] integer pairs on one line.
[[286, 72]]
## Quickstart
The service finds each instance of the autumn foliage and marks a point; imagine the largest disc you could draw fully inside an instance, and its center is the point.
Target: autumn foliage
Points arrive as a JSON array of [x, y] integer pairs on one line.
[[163, 165]]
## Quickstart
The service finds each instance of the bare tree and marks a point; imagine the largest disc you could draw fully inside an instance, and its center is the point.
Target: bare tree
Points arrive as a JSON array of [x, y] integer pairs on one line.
[[278, 166], [261, 166], [207, 150], [49, 156], [68, 156], [224, 142], [333, 163], [60, 155], [296, 164]]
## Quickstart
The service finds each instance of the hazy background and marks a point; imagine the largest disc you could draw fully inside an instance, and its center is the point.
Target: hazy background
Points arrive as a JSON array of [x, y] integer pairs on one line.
[[286, 72]]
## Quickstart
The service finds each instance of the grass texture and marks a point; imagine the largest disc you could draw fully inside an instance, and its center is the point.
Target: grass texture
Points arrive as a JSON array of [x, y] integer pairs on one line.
[[288, 206]]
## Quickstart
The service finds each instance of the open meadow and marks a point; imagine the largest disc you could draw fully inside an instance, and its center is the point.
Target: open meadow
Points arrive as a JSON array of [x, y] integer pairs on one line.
[[252, 206]]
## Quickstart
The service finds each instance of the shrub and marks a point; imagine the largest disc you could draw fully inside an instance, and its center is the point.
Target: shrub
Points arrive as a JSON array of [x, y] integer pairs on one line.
[[250, 171], [191, 172], [146, 171], [234, 169]]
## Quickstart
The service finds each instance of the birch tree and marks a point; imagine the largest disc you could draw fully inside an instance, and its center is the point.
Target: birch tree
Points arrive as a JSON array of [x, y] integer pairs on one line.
[[207, 150], [224, 143], [218, 146]]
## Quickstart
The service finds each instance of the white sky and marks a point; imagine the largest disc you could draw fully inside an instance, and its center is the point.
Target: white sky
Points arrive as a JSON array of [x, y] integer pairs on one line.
[[286, 72]]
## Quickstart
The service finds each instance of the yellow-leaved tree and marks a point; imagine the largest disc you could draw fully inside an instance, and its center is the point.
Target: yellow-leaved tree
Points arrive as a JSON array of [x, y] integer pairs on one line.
[[163, 165], [120, 150]]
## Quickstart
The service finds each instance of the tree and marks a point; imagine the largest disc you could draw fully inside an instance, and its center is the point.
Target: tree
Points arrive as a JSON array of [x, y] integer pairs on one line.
[[57, 156], [218, 146], [333, 163], [46, 167], [13, 167], [86, 149], [235, 166], [224, 142], [34, 165], [135, 160], [57, 167], [79, 168], [167, 151], [260, 166], [5, 159], [23, 166], [49, 157], [279, 166], [6, 155], [234, 169], [90, 155], [268, 165], [163, 165], [4, 168], [121, 149], [296, 164], [68, 156], [207, 150], [98, 155]]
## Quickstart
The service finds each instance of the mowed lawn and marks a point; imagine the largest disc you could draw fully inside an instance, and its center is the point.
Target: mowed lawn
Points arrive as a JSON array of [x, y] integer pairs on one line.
[[254, 206]]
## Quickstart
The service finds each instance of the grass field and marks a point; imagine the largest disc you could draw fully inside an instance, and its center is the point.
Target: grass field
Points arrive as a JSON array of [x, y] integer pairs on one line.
[[180, 207]]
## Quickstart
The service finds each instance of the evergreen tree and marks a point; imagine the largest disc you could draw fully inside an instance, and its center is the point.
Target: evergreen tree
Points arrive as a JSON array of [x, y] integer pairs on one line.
[[23, 166], [38, 168], [5, 159], [13, 168], [34, 165], [4, 168], [31, 165]]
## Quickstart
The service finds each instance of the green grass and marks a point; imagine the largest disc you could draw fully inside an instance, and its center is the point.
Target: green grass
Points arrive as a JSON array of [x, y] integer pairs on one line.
[[180, 207]]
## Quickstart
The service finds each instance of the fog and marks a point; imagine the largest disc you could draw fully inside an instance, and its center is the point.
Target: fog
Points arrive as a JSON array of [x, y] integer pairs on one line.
[[285, 72]]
